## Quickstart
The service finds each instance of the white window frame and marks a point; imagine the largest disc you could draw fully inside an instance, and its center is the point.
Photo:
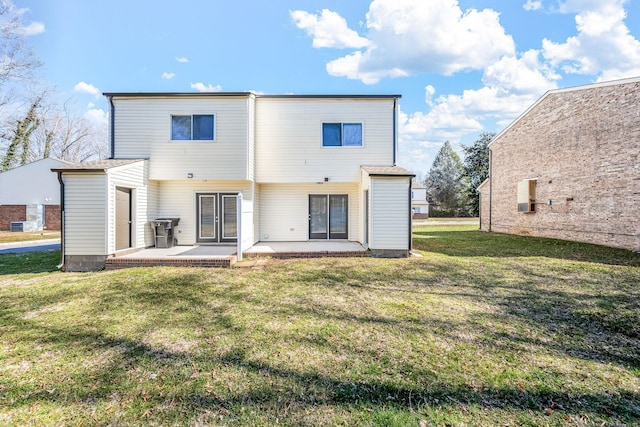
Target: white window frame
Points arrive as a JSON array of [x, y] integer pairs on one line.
[[191, 114], [342, 123]]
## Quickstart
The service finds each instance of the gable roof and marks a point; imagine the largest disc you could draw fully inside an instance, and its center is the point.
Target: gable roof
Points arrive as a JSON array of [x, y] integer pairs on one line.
[[387, 171], [563, 90], [96, 165], [39, 163]]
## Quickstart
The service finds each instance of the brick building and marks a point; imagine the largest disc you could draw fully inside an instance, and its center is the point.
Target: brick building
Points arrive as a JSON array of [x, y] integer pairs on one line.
[[569, 168]]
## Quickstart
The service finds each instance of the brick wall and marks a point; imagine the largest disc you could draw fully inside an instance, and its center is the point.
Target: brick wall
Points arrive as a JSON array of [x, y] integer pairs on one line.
[[583, 147], [52, 217], [11, 213]]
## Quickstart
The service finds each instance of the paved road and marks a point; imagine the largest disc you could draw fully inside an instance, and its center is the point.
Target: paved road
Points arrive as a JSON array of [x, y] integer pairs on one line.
[[30, 246]]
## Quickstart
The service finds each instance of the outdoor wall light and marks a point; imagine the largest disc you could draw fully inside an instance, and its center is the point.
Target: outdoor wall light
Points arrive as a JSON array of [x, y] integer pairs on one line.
[[190, 175]]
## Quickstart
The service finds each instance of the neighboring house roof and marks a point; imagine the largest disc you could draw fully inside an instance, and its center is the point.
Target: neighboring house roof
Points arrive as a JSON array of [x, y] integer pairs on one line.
[[387, 171], [32, 183], [51, 160], [557, 91], [97, 165]]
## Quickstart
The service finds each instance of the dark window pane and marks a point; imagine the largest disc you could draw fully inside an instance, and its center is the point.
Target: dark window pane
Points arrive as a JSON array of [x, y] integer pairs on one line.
[[352, 134], [203, 127], [331, 134], [180, 128]]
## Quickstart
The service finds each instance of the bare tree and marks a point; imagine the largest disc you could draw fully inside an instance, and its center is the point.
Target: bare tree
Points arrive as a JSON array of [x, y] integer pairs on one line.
[[18, 63], [65, 134]]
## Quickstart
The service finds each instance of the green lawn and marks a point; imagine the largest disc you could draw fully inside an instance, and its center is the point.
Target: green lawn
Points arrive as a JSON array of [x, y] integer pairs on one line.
[[483, 330]]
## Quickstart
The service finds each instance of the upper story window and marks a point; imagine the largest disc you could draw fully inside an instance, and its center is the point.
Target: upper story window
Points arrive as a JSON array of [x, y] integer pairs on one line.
[[342, 134], [195, 127]]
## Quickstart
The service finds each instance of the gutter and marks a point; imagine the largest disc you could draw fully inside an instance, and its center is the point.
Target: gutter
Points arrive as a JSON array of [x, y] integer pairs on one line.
[[395, 131], [410, 217], [61, 265], [112, 112]]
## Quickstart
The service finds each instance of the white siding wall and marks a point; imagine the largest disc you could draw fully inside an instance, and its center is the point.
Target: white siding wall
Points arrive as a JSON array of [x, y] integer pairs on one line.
[[178, 199], [389, 213], [143, 130], [284, 210], [133, 177], [31, 184], [85, 214], [289, 139]]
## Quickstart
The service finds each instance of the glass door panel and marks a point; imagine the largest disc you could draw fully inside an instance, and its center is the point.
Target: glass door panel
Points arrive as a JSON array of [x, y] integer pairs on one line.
[[207, 217], [317, 216], [229, 217], [337, 216]]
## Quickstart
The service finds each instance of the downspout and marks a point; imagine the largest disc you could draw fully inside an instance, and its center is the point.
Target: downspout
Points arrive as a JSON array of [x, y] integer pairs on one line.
[[410, 216], [490, 185], [395, 130], [61, 265], [112, 112]]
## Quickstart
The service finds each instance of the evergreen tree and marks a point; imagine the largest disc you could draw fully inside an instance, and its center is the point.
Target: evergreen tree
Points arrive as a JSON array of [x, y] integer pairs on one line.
[[476, 168], [447, 185]]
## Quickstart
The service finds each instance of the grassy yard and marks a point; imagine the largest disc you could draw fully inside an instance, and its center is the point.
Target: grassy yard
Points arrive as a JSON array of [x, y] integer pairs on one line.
[[482, 330]]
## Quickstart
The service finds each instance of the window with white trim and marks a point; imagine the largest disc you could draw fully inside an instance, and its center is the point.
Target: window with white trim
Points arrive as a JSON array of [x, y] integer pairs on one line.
[[527, 196], [342, 134], [192, 127]]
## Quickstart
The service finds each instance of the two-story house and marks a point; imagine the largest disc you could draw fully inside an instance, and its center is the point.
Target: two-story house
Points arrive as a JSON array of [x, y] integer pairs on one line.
[[306, 168]]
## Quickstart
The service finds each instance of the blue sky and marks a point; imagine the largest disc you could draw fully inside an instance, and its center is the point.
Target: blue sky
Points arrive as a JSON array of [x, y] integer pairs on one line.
[[463, 67]]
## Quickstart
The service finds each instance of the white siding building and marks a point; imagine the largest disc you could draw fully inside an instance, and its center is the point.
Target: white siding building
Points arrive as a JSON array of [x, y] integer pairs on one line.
[[31, 193], [307, 168]]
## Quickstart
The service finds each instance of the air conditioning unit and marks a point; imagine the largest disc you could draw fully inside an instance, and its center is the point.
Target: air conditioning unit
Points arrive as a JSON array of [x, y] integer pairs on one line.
[[21, 226]]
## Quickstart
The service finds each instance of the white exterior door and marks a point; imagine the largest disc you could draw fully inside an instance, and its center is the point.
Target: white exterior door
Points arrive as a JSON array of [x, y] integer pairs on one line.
[[217, 220]]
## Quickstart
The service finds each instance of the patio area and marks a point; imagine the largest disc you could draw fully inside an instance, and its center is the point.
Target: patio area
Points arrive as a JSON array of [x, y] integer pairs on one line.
[[226, 256]]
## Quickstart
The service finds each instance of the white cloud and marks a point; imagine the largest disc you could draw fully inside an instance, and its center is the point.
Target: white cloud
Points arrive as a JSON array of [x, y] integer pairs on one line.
[[603, 44], [84, 87], [182, 59], [201, 87], [510, 86], [32, 29], [96, 116], [532, 5], [411, 37], [168, 76], [328, 29]]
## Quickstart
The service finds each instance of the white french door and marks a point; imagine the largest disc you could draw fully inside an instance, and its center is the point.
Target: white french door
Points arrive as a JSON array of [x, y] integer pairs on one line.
[[217, 219]]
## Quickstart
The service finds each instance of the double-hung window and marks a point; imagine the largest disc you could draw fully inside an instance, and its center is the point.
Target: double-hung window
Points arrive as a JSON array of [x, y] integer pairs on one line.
[[342, 134], [194, 127]]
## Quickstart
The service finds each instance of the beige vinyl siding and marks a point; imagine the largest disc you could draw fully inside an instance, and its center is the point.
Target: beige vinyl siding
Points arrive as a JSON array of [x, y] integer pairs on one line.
[[289, 138], [178, 199], [284, 210], [251, 143], [153, 196], [132, 177], [143, 130], [389, 213], [85, 213]]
